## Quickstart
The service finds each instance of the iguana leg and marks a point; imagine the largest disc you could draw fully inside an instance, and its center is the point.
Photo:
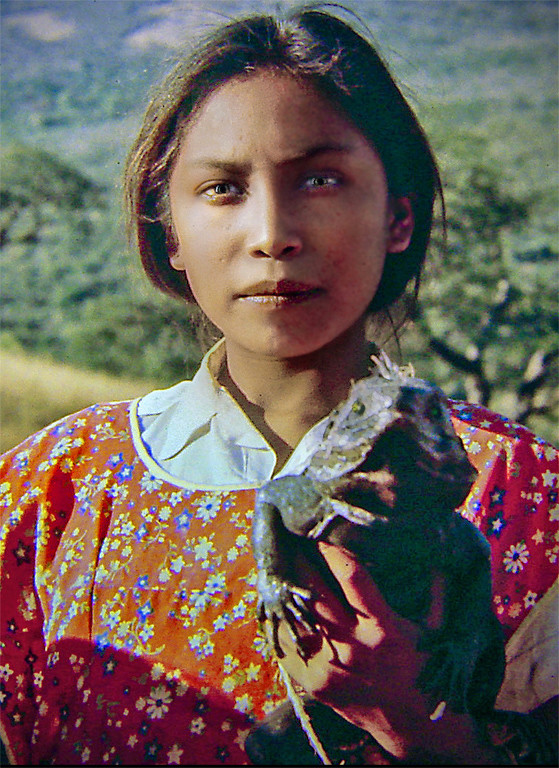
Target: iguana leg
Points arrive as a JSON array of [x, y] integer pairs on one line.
[[352, 514], [278, 598], [466, 663], [287, 508]]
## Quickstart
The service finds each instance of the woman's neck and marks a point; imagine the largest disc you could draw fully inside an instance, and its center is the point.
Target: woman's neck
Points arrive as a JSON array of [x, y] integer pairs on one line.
[[285, 398]]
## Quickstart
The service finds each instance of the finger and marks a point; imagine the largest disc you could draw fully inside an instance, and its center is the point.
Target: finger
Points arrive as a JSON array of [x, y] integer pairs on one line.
[[436, 614], [358, 586], [328, 602], [302, 644]]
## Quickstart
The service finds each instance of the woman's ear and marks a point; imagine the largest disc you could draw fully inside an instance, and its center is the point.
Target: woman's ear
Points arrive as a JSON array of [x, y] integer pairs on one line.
[[400, 224], [171, 240], [173, 249], [176, 260]]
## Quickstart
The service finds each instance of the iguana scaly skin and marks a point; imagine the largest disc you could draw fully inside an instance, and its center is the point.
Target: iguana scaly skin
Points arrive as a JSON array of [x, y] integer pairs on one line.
[[385, 483]]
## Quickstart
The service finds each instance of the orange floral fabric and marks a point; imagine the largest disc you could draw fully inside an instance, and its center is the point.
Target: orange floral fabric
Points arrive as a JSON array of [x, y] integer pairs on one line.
[[128, 631]]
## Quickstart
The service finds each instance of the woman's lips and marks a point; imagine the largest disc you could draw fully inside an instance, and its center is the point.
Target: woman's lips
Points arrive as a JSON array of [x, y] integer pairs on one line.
[[279, 293]]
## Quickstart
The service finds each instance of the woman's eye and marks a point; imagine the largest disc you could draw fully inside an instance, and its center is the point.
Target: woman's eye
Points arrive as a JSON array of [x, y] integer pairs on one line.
[[222, 191], [322, 181]]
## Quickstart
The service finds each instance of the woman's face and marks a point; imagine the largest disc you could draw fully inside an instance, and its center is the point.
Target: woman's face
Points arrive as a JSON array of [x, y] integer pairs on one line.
[[281, 215]]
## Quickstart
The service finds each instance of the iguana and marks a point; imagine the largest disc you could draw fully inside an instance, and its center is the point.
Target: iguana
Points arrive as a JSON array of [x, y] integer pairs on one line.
[[385, 484]]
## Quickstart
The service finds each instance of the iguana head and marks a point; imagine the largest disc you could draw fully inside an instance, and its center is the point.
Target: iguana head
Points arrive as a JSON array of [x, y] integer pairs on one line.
[[392, 419]]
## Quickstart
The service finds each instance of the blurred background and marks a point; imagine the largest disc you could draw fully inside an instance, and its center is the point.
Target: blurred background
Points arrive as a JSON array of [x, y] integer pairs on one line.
[[80, 324]]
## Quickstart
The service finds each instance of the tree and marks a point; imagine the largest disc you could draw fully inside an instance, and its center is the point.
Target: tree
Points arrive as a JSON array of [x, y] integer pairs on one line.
[[70, 289], [490, 313]]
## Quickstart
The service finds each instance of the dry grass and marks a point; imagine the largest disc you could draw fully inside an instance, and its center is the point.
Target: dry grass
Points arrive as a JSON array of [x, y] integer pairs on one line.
[[34, 392]]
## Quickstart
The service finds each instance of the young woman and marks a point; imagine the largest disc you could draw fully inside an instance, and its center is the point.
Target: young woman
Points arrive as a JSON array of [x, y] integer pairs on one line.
[[282, 183]]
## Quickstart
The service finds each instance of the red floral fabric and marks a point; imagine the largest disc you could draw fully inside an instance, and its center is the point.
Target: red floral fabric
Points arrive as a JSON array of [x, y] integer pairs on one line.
[[128, 631]]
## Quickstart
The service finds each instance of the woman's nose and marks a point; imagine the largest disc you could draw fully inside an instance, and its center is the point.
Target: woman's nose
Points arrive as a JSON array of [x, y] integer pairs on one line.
[[272, 227]]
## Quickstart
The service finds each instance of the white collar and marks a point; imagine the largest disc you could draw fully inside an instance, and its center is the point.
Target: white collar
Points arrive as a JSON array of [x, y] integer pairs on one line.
[[197, 425], [185, 410]]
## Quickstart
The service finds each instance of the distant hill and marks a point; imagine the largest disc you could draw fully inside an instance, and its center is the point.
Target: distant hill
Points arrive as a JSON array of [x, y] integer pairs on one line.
[[35, 392], [76, 72]]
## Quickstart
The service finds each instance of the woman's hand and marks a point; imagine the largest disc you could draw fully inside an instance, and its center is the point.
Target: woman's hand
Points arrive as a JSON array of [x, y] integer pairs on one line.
[[364, 664]]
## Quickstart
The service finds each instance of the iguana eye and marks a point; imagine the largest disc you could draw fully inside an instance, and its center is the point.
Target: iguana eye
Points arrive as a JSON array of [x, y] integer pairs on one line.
[[435, 410], [358, 408]]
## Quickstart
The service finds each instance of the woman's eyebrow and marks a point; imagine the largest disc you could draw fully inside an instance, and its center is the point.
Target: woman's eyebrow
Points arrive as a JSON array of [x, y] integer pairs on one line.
[[232, 166], [319, 149]]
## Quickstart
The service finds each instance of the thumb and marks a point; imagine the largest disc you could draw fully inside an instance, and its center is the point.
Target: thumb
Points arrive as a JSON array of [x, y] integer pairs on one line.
[[358, 586]]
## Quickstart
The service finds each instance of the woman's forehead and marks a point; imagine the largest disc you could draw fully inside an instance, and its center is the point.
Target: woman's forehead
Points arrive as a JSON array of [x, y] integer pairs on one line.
[[272, 111]]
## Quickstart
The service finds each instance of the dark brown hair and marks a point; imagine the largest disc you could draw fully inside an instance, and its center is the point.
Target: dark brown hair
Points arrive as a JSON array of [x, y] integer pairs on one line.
[[341, 65]]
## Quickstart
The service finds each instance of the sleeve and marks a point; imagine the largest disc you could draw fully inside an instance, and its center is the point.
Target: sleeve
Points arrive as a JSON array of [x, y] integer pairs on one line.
[[514, 501], [35, 491], [22, 644]]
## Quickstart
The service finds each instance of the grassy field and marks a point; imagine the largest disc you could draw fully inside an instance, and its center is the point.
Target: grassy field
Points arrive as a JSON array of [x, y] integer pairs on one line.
[[34, 392]]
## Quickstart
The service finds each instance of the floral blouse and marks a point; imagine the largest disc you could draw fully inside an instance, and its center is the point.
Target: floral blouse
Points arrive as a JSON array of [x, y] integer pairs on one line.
[[128, 630]]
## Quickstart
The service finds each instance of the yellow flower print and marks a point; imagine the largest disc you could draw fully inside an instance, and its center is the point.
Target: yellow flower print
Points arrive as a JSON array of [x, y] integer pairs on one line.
[[516, 557], [244, 703], [252, 671], [174, 755], [232, 554], [229, 663], [158, 702], [177, 564], [242, 734], [157, 670], [208, 507], [197, 726], [203, 548], [514, 610]]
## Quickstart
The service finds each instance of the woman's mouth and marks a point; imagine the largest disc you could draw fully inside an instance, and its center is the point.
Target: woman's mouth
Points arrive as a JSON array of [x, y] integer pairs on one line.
[[280, 293]]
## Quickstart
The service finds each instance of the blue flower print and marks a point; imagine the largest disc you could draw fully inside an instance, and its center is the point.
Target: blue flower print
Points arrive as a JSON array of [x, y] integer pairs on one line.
[[145, 610], [124, 473], [496, 497], [101, 642], [182, 521], [141, 532], [495, 525], [115, 460]]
